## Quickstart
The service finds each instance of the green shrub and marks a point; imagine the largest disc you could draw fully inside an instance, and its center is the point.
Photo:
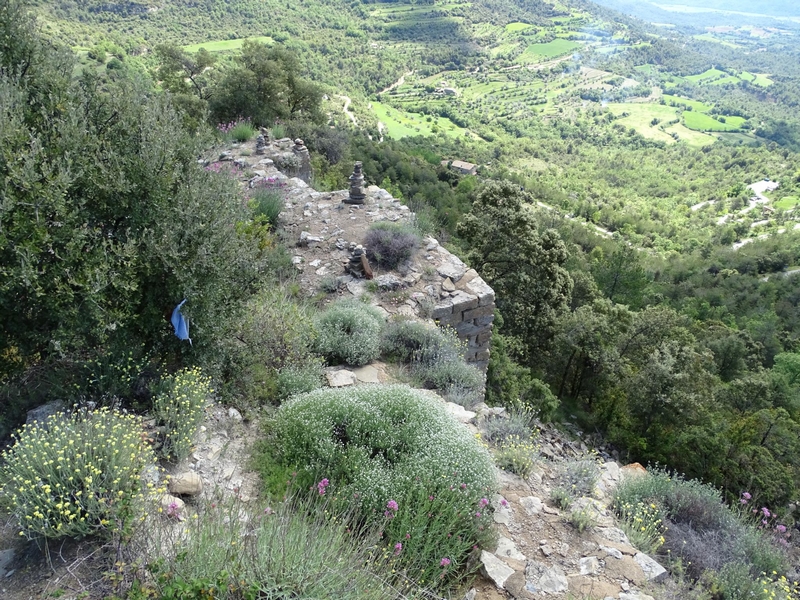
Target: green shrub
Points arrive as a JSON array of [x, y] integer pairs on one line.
[[404, 340], [274, 332], [287, 550], [575, 478], [435, 356], [514, 422], [510, 384], [240, 130], [76, 475], [278, 131], [700, 530], [299, 379], [349, 332], [180, 407], [517, 455], [370, 448], [643, 523], [267, 203], [581, 519], [388, 244]]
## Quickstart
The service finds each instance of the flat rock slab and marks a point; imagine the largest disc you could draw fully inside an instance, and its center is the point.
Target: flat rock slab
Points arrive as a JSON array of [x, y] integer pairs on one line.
[[581, 586], [6, 557], [652, 570], [367, 374], [553, 581], [495, 569], [626, 568], [188, 483], [531, 504], [506, 548], [340, 378], [459, 412], [589, 565]]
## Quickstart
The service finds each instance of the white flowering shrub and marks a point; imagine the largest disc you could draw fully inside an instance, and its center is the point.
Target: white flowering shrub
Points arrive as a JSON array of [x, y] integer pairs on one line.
[[349, 332], [77, 475], [180, 407], [397, 457]]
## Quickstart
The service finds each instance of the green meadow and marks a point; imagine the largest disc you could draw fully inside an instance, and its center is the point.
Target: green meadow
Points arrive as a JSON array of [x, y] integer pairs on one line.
[[700, 122], [545, 51], [399, 123], [640, 116]]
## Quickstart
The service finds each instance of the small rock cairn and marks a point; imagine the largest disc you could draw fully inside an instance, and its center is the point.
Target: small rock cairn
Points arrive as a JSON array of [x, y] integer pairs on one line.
[[357, 195]]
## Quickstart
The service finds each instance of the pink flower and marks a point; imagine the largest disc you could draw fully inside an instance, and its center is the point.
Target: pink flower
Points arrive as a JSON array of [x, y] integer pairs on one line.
[[765, 511], [503, 502], [746, 495], [444, 562], [408, 536], [398, 548], [430, 498], [483, 502], [322, 485], [478, 515], [463, 486], [780, 528], [392, 505]]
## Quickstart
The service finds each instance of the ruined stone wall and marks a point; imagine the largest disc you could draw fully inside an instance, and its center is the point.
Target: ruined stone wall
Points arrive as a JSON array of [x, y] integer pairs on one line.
[[466, 303], [329, 228]]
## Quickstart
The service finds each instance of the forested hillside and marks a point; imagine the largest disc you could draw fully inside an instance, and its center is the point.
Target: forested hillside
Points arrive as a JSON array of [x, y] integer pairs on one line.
[[652, 173]]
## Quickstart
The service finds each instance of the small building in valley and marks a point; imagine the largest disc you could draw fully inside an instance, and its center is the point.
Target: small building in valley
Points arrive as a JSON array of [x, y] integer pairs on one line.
[[464, 168]]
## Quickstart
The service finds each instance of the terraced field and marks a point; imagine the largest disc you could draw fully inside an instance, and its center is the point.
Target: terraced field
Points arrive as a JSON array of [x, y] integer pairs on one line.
[[540, 52], [701, 122]]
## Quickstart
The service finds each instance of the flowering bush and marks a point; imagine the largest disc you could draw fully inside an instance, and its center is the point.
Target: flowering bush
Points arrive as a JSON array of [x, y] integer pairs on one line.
[[240, 130], [373, 446], [180, 408], [643, 523], [517, 455], [76, 475], [700, 533], [267, 198], [350, 332]]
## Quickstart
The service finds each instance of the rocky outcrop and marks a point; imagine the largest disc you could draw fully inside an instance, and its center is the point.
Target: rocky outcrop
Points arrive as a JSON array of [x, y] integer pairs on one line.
[[329, 229]]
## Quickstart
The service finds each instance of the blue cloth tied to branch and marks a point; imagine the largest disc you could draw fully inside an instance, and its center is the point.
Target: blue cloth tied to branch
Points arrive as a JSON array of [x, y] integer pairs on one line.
[[181, 323]]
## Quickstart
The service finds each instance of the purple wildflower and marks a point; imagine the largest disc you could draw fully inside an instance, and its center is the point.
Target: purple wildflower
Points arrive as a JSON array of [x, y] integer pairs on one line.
[[444, 562]]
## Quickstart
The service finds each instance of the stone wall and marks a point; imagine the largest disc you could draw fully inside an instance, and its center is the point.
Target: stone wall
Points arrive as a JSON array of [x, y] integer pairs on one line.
[[466, 304]]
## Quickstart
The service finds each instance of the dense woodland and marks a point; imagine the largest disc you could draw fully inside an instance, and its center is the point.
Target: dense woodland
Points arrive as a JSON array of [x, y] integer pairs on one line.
[[655, 331]]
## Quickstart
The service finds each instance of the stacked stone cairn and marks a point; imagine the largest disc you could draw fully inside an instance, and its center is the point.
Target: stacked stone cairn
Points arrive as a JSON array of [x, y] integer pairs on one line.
[[358, 265], [357, 195], [261, 144]]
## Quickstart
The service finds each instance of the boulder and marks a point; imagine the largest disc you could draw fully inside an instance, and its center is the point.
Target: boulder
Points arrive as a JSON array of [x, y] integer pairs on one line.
[[187, 483], [495, 569], [652, 570]]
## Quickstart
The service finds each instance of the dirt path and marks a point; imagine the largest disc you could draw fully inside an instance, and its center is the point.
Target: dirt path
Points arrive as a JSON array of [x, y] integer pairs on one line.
[[397, 83], [346, 109]]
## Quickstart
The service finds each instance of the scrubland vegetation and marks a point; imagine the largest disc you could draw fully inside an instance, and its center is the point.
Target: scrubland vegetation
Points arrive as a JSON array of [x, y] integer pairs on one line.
[[604, 215]]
